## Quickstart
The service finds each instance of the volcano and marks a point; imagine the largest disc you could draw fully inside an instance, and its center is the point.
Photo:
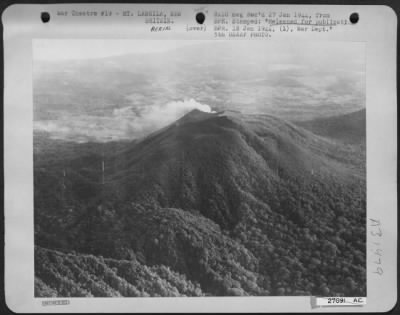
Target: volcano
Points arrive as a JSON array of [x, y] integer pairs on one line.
[[234, 204]]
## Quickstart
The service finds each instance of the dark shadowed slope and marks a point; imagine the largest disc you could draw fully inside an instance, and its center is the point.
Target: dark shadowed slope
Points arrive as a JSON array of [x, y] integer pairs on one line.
[[241, 205], [212, 163], [91, 276], [349, 128]]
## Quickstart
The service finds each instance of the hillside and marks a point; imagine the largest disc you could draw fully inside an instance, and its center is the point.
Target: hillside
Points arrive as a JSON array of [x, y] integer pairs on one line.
[[69, 274], [238, 204], [349, 128]]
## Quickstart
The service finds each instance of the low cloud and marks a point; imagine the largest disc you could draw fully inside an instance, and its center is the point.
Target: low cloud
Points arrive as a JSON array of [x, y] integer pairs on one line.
[[123, 123]]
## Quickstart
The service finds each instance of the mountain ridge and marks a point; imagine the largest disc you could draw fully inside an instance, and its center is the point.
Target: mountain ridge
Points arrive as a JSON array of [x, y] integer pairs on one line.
[[348, 128], [271, 192]]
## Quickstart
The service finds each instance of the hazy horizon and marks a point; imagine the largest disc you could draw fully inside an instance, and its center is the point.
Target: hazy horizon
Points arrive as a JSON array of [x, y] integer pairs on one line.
[[125, 89]]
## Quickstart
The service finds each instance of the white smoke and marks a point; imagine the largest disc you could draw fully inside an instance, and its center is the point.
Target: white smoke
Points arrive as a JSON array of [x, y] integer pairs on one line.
[[158, 116], [123, 123], [165, 114]]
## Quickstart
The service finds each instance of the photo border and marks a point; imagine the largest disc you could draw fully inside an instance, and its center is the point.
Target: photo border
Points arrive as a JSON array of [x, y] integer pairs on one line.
[[8, 3]]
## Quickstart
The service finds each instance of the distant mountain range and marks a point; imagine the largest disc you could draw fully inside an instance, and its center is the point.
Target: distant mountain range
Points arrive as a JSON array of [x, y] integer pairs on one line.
[[350, 128], [79, 99], [213, 204]]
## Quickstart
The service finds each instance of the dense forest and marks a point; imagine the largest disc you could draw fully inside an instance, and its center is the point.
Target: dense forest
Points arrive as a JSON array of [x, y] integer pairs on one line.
[[348, 128], [215, 204]]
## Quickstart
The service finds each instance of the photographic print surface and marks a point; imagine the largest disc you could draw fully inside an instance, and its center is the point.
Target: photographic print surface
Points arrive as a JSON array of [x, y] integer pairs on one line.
[[199, 168]]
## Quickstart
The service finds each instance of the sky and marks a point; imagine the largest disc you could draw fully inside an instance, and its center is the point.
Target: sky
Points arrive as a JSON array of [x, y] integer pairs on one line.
[[312, 52], [68, 49]]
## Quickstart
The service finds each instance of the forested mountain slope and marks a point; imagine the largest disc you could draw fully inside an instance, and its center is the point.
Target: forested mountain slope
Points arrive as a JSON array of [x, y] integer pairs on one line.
[[349, 128], [230, 204]]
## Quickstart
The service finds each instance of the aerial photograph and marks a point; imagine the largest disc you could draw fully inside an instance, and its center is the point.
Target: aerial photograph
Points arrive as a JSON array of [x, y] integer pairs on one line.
[[180, 168]]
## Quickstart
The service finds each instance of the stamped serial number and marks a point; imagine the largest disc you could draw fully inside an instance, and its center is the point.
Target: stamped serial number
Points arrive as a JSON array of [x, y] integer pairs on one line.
[[338, 300]]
